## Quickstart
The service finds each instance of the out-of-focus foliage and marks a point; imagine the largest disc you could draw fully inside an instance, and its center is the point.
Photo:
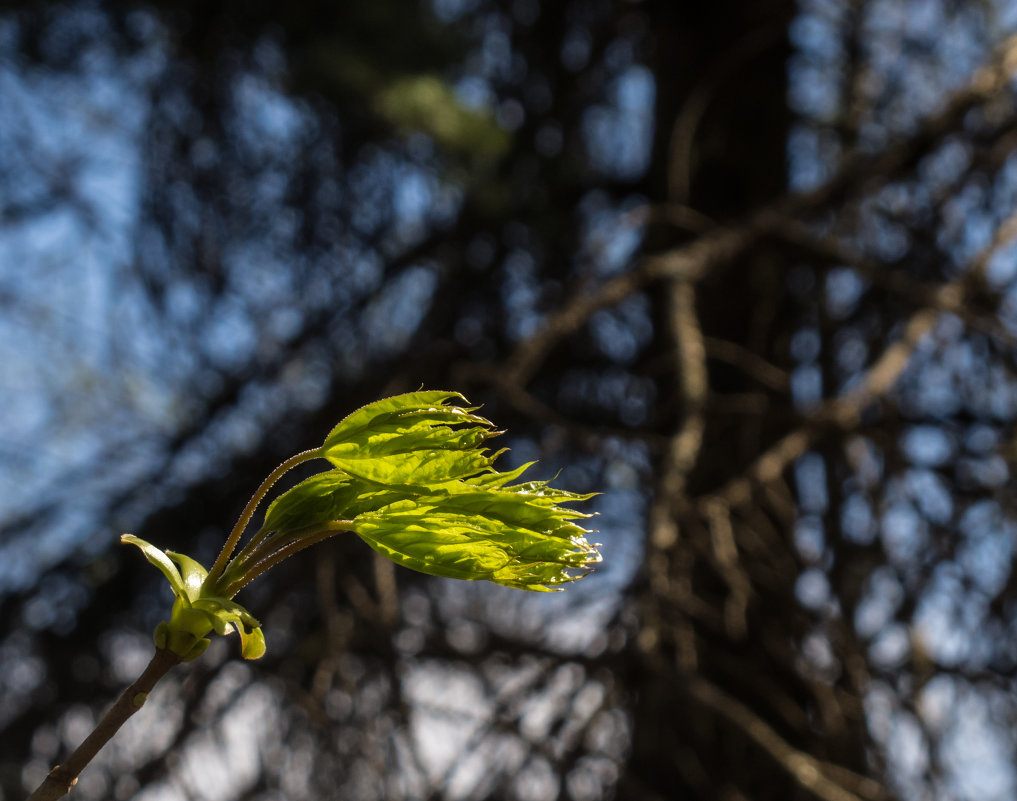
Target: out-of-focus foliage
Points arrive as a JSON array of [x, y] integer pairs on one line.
[[747, 267]]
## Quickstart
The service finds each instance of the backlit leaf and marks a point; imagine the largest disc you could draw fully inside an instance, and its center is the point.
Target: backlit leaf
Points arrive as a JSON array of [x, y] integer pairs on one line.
[[159, 558], [313, 501], [416, 439], [496, 535]]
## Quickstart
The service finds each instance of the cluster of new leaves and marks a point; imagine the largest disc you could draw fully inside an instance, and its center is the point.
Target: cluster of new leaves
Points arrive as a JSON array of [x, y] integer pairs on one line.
[[411, 477]]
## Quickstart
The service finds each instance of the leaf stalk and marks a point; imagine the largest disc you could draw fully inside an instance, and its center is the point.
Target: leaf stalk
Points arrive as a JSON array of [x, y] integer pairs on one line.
[[245, 516]]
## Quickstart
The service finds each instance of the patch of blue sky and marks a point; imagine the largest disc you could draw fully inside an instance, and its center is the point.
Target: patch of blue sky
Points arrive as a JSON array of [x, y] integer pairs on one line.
[[1001, 270], [811, 91], [260, 274], [496, 56], [813, 155], [857, 520], [812, 589], [269, 123], [68, 529], [981, 438], [394, 315], [370, 182], [810, 483], [891, 31], [818, 655], [843, 289], [972, 376], [144, 351], [618, 135], [928, 445], [307, 380], [1002, 16], [987, 547], [244, 735], [806, 387], [967, 226], [890, 647], [231, 337], [976, 751], [1004, 185], [931, 495], [805, 345], [907, 742], [905, 534], [413, 194], [610, 232], [474, 92], [937, 704], [851, 354], [621, 332], [938, 615], [933, 393], [945, 165], [619, 248], [817, 34], [510, 114], [621, 523], [362, 269], [879, 604], [809, 538], [520, 292], [451, 10], [1007, 310], [445, 701]]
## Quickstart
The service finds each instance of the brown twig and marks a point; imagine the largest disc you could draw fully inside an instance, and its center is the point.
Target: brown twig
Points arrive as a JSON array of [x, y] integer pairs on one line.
[[756, 367], [808, 771], [63, 777]]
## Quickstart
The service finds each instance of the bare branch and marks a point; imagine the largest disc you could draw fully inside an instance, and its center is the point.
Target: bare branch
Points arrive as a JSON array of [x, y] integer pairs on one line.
[[63, 777], [809, 772]]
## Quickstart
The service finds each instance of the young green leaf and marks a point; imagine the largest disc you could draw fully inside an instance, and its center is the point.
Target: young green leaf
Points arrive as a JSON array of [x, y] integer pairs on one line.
[[410, 475], [313, 501], [416, 438], [192, 572], [500, 536], [159, 558], [252, 643]]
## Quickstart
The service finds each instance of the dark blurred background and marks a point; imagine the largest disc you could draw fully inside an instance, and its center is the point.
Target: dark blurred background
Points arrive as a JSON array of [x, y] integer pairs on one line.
[[742, 267]]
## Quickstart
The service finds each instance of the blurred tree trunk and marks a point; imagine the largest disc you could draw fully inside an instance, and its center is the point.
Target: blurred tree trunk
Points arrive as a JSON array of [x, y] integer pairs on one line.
[[721, 700]]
